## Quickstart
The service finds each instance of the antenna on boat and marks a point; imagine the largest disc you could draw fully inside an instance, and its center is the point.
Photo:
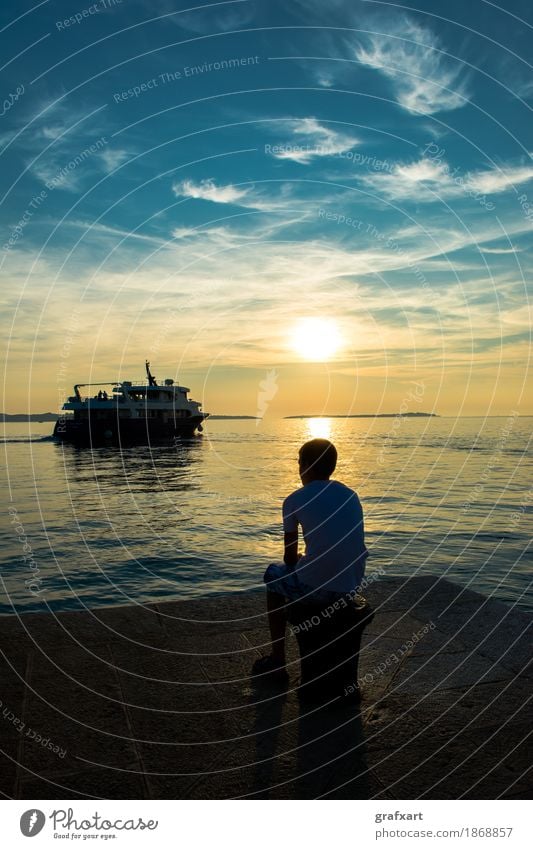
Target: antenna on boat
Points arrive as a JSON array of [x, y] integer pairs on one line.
[[151, 379]]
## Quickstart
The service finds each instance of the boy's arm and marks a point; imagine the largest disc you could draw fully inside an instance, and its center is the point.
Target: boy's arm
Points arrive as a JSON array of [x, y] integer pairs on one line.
[[290, 556], [290, 528]]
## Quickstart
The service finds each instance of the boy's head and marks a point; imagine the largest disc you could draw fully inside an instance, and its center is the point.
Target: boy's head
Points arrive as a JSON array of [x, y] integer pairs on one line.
[[317, 460]]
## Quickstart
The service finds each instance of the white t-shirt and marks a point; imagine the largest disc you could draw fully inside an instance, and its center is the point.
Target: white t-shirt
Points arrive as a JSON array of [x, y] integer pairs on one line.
[[331, 517]]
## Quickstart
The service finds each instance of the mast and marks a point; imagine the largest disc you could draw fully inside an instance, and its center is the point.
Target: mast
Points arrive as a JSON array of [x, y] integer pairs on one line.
[[151, 379]]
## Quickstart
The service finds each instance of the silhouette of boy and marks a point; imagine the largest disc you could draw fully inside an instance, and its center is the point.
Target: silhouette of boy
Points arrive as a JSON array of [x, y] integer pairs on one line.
[[333, 565]]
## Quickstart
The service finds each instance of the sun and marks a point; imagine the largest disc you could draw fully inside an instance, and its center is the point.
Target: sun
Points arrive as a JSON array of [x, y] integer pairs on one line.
[[316, 339]]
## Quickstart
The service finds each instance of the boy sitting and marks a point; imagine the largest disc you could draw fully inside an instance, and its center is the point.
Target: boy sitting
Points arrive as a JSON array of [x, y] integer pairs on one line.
[[333, 565]]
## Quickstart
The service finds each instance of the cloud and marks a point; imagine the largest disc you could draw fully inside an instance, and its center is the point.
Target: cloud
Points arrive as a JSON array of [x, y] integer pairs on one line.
[[218, 236], [67, 175], [523, 88], [114, 233], [53, 132], [324, 80], [213, 20], [113, 158], [246, 197], [411, 57], [425, 180], [430, 180], [68, 170], [208, 190], [55, 139], [500, 250], [311, 140], [49, 171], [500, 179]]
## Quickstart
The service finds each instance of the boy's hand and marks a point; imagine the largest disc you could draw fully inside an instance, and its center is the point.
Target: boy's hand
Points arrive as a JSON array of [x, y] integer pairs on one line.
[[291, 556]]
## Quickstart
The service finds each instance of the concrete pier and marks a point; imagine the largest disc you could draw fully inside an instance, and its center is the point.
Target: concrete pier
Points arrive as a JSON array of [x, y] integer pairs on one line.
[[157, 701]]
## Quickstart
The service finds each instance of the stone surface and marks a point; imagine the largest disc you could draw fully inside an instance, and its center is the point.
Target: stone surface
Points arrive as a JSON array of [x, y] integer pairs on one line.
[[157, 701], [445, 671]]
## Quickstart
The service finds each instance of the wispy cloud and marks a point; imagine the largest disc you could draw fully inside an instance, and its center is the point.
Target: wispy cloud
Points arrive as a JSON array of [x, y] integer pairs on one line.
[[427, 180], [324, 79], [424, 80], [114, 233], [50, 133], [208, 190], [218, 236], [67, 167], [213, 17], [113, 158], [423, 180], [523, 88], [309, 139], [59, 144], [247, 197], [500, 179], [500, 250]]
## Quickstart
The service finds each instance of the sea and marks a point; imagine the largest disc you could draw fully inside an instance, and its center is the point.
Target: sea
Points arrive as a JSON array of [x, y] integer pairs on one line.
[[85, 528]]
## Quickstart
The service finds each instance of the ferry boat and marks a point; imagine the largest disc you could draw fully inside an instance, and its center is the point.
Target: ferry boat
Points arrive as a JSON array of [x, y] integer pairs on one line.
[[129, 413]]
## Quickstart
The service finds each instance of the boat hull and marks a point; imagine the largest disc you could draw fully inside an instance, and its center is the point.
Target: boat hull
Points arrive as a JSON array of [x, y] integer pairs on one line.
[[118, 431]]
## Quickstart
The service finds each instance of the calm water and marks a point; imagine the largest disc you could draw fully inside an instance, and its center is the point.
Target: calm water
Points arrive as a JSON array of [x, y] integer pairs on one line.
[[201, 517]]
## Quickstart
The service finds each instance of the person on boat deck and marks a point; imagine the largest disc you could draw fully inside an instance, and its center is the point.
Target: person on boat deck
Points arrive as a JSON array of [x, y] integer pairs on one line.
[[333, 565]]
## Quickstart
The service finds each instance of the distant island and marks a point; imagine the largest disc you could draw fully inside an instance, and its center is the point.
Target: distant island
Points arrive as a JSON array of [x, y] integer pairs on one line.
[[366, 416], [29, 417]]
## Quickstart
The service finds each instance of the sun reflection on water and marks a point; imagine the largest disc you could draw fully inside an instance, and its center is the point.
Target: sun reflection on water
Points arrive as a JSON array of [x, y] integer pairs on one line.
[[319, 428]]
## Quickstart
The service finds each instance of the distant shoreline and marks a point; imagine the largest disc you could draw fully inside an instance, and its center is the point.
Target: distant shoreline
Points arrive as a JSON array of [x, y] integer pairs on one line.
[[366, 416], [53, 417]]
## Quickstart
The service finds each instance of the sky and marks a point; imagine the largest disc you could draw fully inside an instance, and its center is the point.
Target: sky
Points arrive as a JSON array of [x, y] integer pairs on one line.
[[200, 185]]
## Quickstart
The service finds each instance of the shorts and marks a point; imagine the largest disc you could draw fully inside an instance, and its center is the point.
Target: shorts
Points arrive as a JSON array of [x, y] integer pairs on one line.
[[284, 580]]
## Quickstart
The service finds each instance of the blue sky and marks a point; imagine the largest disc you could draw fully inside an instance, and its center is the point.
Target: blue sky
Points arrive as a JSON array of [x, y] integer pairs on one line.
[[189, 185]]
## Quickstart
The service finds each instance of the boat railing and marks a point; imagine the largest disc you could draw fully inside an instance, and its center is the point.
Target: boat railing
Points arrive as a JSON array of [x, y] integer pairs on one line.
[[111, 399], [141, 382]]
